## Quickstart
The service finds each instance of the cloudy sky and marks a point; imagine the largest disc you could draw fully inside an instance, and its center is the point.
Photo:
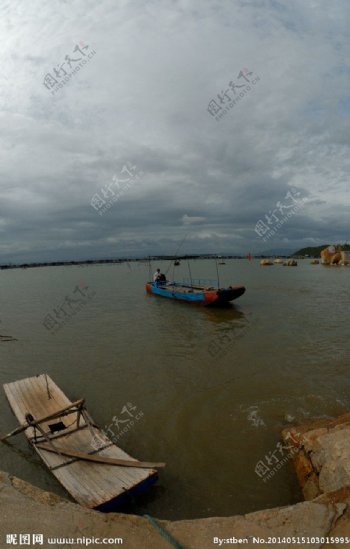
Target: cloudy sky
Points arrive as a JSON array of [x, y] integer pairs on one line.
[[144, 144]]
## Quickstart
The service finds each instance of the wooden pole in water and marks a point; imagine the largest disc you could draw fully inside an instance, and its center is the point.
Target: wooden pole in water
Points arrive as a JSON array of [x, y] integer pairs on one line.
[[217, 272], [189, 270]]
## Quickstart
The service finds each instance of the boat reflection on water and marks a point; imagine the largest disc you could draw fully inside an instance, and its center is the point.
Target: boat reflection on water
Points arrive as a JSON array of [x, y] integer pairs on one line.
[[227, 325], [224, 314], [194, 330]]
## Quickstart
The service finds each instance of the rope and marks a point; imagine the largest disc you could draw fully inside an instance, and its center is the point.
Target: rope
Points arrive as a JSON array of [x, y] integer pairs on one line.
[[177, 251], [163, 532]]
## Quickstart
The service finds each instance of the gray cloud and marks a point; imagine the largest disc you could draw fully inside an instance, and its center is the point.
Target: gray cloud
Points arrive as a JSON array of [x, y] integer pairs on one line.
[[142, 99]]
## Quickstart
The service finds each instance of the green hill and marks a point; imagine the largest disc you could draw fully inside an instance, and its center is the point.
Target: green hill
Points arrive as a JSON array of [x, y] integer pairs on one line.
[[316, 250]]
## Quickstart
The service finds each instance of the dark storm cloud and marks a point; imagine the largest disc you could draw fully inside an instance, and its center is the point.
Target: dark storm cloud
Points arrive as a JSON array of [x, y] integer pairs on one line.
[[142, 100]]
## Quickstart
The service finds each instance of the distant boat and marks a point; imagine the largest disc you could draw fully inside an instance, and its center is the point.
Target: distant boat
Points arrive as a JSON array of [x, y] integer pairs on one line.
[[221, 263], [79, 454], [196, 293], [177, 262]]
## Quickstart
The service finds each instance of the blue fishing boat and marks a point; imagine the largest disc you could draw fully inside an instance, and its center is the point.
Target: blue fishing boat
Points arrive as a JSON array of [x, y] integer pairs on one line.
[[197, 291]]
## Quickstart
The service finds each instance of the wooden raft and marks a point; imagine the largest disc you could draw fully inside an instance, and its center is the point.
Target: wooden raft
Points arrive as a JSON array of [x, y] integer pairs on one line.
[[91, 484]]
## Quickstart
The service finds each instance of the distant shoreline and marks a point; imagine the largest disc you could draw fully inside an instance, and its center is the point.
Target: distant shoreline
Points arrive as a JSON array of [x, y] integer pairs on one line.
[[152, 258]]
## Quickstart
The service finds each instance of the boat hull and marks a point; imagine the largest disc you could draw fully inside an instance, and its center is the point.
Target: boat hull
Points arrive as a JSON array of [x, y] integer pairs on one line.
[[195, 294]]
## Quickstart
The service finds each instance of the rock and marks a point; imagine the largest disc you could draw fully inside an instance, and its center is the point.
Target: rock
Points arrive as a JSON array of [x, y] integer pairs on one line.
[[336, 258], [345, 258], [323, 459], [331, 255]]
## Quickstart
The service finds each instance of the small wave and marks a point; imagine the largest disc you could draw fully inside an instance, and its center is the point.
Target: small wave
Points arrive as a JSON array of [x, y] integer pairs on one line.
[[254, 417]]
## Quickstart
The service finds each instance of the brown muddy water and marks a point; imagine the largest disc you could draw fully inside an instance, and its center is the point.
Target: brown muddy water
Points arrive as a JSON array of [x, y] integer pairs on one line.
[[211, 388]]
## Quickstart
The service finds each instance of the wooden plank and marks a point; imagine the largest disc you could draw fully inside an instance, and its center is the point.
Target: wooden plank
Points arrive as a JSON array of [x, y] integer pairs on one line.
[[53, 415], [99, 459], [64, 434], [77, 459], [102, 481]]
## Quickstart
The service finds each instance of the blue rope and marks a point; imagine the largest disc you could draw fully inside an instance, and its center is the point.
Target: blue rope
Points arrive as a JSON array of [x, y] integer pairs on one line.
[[163, 532]]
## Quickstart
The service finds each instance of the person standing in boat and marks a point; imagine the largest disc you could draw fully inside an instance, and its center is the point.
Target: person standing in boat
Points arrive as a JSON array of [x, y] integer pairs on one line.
[[156, 275]]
